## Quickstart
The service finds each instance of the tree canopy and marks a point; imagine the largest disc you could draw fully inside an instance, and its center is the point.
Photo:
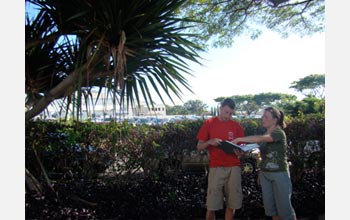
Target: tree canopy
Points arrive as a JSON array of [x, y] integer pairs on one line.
[[195, 107], [249, 105], [312, 85], [222, 21], [309, 105]]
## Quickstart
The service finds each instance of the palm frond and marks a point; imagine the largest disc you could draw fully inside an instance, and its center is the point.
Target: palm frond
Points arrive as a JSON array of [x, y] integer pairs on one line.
[[126, 47]]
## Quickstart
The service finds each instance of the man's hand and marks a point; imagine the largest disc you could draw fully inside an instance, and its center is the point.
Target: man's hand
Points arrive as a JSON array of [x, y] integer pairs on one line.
[[201, 145], [215, 141]]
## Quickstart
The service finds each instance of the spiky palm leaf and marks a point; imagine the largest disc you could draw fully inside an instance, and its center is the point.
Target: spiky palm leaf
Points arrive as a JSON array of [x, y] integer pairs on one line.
[[128, 47]]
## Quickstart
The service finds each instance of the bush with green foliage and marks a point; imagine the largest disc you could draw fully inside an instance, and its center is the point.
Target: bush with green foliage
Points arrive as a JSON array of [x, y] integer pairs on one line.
[[87, 149]]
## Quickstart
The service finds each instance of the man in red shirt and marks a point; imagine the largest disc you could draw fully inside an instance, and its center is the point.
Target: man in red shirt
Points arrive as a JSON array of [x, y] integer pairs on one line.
[[224, 178]]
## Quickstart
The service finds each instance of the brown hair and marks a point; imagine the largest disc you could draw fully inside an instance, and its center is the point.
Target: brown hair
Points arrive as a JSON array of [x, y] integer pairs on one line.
[[228, 102], [278, 114]]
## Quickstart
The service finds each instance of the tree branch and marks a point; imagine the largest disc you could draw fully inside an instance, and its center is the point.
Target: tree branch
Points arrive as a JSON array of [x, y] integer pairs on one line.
[[64, 87]]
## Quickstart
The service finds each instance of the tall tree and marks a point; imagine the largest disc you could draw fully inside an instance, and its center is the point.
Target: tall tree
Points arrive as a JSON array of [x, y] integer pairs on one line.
[[124, 46], [312, 85], [223, 21]]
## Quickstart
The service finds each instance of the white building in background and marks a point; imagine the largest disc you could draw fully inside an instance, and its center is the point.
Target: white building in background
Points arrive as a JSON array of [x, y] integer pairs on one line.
[[157, 110], [104, 109]]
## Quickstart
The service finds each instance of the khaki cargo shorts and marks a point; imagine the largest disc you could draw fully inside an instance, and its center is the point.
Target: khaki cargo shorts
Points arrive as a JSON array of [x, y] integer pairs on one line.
[[224, 184]]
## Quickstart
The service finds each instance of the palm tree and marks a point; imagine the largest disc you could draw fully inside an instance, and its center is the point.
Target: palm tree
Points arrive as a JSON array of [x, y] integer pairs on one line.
[[124, 46]]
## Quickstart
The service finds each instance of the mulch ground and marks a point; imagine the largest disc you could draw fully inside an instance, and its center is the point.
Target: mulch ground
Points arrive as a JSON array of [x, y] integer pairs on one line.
[[173, 197]]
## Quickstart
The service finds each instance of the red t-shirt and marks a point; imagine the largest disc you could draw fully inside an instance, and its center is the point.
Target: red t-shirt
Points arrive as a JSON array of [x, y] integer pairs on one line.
[[225, 130]]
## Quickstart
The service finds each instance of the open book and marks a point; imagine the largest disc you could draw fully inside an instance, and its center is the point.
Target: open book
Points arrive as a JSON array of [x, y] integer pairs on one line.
[[229, 146]]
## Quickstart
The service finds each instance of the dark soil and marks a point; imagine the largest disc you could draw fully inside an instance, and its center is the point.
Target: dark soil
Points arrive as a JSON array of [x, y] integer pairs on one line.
[[174, 197]]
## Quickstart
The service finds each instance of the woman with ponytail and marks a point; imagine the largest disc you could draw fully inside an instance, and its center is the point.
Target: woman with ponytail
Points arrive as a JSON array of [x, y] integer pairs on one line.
[[274, 174]]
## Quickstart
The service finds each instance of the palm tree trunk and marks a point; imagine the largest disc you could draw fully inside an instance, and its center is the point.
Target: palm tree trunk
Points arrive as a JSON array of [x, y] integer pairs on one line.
[[65, 87], [32, 183]]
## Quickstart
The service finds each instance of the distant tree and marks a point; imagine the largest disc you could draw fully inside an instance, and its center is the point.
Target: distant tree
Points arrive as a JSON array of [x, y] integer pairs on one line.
[[312, 85], [191, 107], [309, 105], [219, 99], [214, 111], [251, 104], [196, 107], [176, 110], [223, 21], [272, 98]]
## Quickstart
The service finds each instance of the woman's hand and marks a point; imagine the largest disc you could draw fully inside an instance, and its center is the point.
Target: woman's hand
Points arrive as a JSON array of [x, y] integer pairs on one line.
[[235, 141]]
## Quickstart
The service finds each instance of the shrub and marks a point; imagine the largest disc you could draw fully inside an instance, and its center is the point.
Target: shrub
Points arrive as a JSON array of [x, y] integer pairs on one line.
[[74, 155], [89, 148]]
